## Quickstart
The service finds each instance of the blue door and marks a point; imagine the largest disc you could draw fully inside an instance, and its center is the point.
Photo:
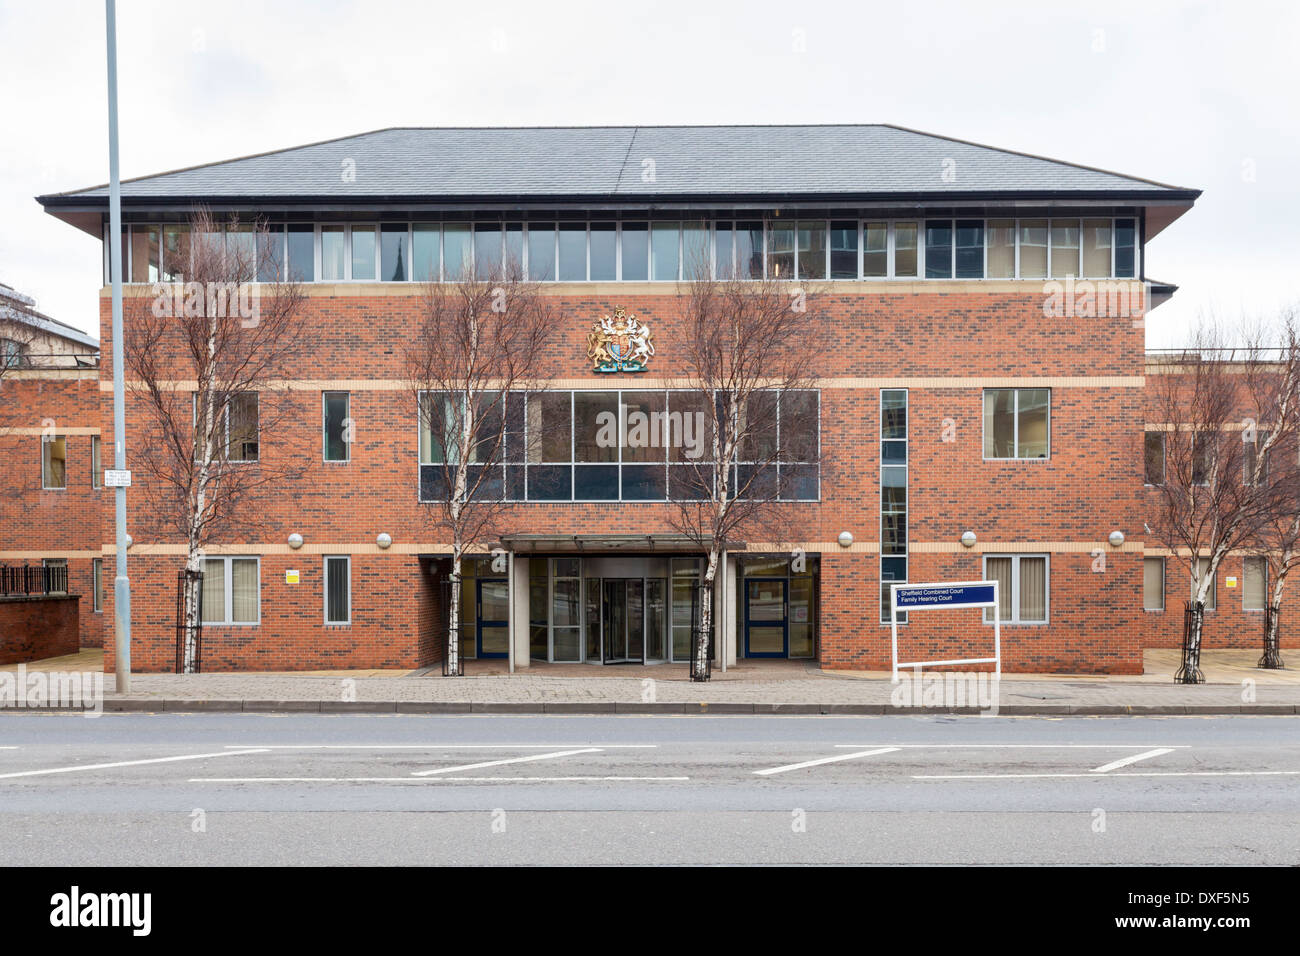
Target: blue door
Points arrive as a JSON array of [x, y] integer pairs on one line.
[[493, 618], [767, 632]]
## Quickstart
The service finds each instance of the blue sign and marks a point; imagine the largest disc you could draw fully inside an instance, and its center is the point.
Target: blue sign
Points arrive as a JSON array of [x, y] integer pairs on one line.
[[944, 595]]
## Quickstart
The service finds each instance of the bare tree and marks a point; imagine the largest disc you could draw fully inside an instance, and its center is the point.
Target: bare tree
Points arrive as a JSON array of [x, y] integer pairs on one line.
[[18, 331], [750, 347], [1213, 498], [1273, 383], [207, 359], [471, 364]]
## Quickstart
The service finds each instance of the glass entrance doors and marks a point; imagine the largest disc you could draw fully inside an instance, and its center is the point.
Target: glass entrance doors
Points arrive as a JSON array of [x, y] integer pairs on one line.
[[766, 626], [493, 637], [623, 621]]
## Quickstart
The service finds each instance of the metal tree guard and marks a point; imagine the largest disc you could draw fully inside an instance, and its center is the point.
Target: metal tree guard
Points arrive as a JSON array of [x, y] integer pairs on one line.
[[185, 634], [700, 670], [1193, 624], [1272, 659]]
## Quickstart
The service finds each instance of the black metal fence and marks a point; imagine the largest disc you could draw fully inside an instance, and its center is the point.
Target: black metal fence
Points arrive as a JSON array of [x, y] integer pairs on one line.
[[185, 633], [1193, 632], [1272, 659], [33, 579]]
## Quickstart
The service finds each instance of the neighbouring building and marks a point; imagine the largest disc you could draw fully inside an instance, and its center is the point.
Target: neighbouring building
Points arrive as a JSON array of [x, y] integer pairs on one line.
[[986, 375], [51, 522]]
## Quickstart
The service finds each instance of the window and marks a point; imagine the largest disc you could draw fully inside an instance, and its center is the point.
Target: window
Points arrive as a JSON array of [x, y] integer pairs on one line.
[[1022, 587], [1154, 455], [1065, 248], [573, 252], [1016, 422], [12, 354], [1153, 584], [337, 430], [56, 575], [394, 253], [604, 251], [97, 576], [333, 261], [695, 250], [905, 256], [426, 251], [363, 253], [300, 252], [1002, 248], [938, 249], [241, 425], [893, 497], [144, 254], [54, 461], [231, 591], [812, 250], [513, 264], [875, 250], [1097, 248], [1125, 249], [780, 251], [457, 252], [844, 249], [541, 252], [636, 252], [487, 249], [176, 253], [969, 252], [1254, 590], [664, 239], [1251, 459], [1211, 597], [338, 590], [1033, 248], [96, 475]]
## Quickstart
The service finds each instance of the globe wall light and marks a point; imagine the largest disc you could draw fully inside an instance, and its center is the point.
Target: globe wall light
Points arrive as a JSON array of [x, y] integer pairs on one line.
[[845, 539], [295, 541], [968, 539], [1116, 538], [384, 540]]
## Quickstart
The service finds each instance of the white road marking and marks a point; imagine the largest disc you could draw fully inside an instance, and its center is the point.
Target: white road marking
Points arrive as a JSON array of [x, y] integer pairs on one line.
[[428, 779], [127, 763], [441, 746], [498, 763], [1125, 761], [1117, 776], [815, 763], [1018, 746]]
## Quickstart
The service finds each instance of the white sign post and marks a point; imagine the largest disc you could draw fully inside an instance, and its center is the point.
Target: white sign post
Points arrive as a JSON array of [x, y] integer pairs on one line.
[[944, 596]]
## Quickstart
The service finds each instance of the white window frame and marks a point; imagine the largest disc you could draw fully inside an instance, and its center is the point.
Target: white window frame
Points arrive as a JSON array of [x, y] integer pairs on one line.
[[1163, 584], [325, 588], [1016, 557], [97, 584], [45, 443], [1263, 567], [349, 227], [1016, 418], [229, 584]]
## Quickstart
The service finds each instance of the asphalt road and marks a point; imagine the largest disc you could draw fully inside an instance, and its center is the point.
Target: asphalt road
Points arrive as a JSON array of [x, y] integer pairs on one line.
[[360, 790]]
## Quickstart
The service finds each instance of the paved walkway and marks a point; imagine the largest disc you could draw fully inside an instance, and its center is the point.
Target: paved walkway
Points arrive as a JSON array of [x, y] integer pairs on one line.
[[748, 688]]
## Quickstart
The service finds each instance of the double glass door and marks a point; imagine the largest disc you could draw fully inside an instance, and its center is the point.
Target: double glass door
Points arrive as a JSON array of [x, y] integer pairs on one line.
[[493, 605], [766, 625], [632, 620]]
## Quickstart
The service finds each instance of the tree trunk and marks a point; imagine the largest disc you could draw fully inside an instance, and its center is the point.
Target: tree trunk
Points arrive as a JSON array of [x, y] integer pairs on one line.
[[1193, 626], [452, 666], [1272, 659], [700, 659], [191, 596]]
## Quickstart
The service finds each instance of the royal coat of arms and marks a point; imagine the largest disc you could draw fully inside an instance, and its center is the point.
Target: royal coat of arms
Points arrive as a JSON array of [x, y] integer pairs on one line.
[[619, 344]]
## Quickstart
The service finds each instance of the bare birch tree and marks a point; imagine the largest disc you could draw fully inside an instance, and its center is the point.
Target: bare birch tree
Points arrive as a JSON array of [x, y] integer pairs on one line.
[[207, 359], [750, 347], [471, 364], [1213, 498]]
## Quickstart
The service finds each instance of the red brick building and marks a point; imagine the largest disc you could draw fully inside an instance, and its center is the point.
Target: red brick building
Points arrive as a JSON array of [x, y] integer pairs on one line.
[[50, 495], [979, 409]]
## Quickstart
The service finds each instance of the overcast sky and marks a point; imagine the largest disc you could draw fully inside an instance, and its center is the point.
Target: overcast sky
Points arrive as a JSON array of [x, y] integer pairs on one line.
[[1201, 95]]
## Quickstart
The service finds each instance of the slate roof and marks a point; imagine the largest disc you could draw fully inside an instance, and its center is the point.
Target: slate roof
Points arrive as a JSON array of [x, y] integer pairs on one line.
[[617, 163]]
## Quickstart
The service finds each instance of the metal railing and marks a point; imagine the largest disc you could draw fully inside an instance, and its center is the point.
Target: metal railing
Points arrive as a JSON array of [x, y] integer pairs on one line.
[[33, 579]]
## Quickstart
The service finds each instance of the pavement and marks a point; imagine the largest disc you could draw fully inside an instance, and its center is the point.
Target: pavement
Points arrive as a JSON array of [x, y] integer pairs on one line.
[[261, 789], [1233, 685]]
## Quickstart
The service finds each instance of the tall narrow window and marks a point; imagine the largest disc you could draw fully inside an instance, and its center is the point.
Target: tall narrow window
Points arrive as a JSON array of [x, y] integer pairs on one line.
[[300, 252], [1096, 248], [426, 251], [844, 250], [54, 461], [893, 497], [541, 251], [780, 251], [338, 590], [875, 250], [1254, 590], [695, 250], [457, 252], [394, 253], [812, 250], [487, 249], [905, 251], [333, 257], [1065, 248], [938, 249], [604, 251], [970, 248], [363, 253], [97, 582], [270, 253], [724, 251], [338, 445], [514, 249], [636, 251], [1154, 447], [1153, 584], [749, 250], [144, 254], [96, 475], [1125, 249], [573, 252], [664, 239], [1033, 248], [1002, 248], [242, 442]]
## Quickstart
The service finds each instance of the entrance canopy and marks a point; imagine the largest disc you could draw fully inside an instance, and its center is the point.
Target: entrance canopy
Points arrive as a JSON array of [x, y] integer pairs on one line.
[[525, 543]]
